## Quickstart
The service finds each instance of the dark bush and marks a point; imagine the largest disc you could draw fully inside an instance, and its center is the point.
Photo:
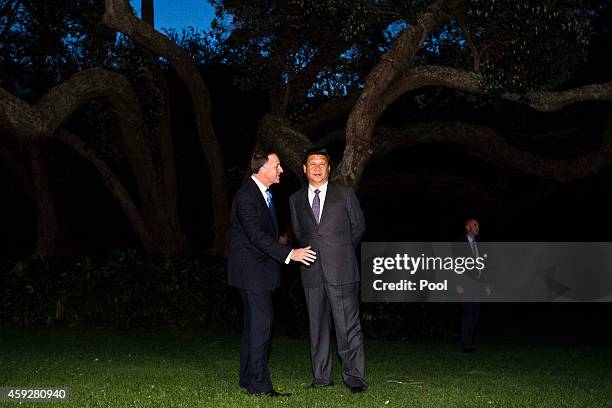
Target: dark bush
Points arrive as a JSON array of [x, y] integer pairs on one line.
[[124, 289], [129, 289]]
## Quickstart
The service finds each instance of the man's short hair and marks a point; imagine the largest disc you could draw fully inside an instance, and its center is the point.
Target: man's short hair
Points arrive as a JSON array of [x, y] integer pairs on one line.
[[321, 151], [259, 158], [467, 220]]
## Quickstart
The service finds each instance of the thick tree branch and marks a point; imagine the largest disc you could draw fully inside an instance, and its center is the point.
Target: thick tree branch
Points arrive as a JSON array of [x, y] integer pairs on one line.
[[468, 81], [368, 108], [172, 230], [329, 111], [55, 107], [548, 101], [119, 17], [450, 185], [58, 104], [484, 143], [113, 184], [277, 132], [442, 184]]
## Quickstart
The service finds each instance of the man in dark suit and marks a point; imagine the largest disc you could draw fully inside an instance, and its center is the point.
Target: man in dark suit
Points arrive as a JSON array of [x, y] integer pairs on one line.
[[254, 267], [327, 217], [470, 286]]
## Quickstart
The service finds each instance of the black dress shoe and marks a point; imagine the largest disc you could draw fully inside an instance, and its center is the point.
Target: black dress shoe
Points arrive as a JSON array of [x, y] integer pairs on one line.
[[273, 393], [357, 390], [313, 385]]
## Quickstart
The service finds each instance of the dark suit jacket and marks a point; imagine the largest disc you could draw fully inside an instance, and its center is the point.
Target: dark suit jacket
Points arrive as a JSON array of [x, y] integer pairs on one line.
[[473, 286], [334, 239], [255, 254]]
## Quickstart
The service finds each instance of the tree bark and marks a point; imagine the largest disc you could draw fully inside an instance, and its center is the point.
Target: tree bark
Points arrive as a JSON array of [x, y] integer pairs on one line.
[[39, 122], [543, 101], [290, 144], [18, 171], [484, 143], [367, 109], [166, 163], [46, 220], [113, 184], [119, 17], [451, 185], [329, 111], [147, 12]]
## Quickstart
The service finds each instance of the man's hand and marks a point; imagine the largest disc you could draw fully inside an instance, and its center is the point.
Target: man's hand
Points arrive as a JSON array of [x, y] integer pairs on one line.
[[283, 239], [488, 291], [304, 255], [460, 290]]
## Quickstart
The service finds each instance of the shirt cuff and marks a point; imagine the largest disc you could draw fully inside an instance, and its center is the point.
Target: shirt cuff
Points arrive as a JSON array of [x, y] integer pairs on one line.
[[288, 258]]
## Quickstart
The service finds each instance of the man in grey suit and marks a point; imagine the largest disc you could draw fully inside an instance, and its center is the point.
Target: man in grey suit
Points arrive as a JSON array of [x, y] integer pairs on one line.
[[327, 217]]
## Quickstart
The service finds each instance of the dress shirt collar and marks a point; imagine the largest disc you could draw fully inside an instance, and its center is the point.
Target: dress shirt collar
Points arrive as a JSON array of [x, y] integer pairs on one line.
[[262, 188], [322, 188]]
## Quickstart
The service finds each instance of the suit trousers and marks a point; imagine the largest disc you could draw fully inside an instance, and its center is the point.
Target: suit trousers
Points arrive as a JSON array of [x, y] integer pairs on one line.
[[471, 310], [342, 303], [255, 340]]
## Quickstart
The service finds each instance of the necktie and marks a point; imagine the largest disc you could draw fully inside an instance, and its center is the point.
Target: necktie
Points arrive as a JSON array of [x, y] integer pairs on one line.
[[270, 203], [473, 248], [316, 205], [477, 272]]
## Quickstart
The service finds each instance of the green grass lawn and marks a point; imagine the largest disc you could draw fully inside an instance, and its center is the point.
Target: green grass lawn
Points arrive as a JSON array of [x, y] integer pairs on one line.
[[112, 369]]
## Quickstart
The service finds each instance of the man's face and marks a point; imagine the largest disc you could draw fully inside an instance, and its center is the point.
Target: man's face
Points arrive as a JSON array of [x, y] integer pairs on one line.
[[317, 170], [270, 172], [472, 227]]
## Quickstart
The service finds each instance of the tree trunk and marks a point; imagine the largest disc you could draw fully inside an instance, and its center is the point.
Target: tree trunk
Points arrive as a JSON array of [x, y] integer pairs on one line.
[[46, 218], [40, 122], [113, 184], [367, 109], [170, 229], [147, 12], [290, 144], [119, 17]]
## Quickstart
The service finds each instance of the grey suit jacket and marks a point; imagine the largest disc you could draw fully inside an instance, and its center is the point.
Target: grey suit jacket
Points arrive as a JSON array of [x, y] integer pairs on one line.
[[334, 239]]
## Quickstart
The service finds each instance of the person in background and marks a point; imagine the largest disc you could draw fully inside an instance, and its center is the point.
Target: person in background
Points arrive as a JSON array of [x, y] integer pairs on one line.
[[469, 285]]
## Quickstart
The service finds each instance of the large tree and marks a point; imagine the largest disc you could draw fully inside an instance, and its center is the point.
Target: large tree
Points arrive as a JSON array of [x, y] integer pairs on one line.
[[329, 61], [63, 84], [119, 16]]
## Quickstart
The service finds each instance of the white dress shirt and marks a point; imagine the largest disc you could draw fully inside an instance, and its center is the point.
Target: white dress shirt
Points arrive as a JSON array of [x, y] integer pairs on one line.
[[322, 194], [473, 245], [262, 188]]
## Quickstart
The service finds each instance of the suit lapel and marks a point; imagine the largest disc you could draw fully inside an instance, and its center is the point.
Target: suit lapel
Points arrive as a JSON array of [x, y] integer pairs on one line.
[[262, 202], [306, 204], [331, 197]]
